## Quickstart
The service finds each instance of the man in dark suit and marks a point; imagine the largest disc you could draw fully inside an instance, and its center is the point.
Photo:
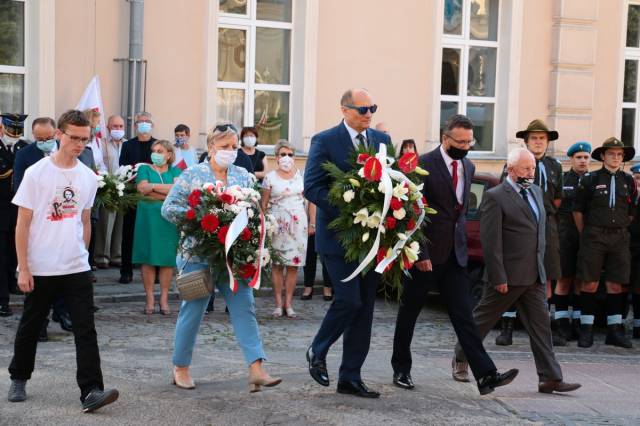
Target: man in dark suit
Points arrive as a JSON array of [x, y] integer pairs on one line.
[[351, 313], [512, 232], [443, 261]]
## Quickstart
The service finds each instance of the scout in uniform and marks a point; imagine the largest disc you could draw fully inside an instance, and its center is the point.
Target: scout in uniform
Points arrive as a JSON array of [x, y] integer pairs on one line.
[[602, 211], [634, 231], [565, 329], [549, 178]]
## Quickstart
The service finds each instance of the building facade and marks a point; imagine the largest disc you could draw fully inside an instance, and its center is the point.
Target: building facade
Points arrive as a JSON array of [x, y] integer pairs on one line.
[[283, 64]]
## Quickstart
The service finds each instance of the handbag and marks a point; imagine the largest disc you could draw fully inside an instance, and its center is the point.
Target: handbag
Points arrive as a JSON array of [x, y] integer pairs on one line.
[[194, 284]]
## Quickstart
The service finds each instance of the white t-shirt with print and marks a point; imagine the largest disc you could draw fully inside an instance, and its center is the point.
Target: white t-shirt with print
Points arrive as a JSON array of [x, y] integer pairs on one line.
[[57, 198]]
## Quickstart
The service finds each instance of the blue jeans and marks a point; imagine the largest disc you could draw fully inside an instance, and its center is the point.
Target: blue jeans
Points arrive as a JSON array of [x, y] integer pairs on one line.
[[241, 311]]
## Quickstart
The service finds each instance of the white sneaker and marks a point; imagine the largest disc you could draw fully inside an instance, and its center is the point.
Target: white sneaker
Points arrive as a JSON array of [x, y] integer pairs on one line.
[[277, 312], [291, 313]]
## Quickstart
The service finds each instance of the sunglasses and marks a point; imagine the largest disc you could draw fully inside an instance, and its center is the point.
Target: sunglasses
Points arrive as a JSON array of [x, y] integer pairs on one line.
[[286, 154], [363, 109], [225, 127]]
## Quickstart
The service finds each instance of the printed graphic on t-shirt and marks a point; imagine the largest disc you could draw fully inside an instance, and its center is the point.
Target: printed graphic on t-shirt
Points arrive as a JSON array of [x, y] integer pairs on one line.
[[64, 204]]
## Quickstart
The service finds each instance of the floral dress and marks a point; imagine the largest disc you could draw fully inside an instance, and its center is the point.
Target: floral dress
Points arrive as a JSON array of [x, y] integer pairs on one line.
[[286, 205]]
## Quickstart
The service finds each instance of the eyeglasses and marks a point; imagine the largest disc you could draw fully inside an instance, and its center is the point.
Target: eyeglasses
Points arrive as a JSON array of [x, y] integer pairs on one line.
[[286, 154], [471, 142], [224, 127], [77, 139], [362, 110]]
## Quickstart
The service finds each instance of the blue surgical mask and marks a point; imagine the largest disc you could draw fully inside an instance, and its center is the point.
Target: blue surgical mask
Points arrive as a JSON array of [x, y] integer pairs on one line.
[[158, 159], [144, 127], [46, 146]]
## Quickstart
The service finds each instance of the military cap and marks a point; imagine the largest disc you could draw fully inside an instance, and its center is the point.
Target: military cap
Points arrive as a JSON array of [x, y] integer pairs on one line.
[[580, 146], [13, 124], [636, 168]]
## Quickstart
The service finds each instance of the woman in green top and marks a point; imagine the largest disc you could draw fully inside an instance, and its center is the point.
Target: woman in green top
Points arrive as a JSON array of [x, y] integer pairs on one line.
[[155, 240]]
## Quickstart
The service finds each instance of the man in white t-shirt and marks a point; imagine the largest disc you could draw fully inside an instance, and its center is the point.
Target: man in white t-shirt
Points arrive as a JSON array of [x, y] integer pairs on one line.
[[52, 236]]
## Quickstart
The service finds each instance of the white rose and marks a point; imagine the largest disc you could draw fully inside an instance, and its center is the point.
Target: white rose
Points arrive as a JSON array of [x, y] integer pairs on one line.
[[348, 196], [415, 246], [400, 213], [120, 186], [381, 187], [120, 193], [361, 172]]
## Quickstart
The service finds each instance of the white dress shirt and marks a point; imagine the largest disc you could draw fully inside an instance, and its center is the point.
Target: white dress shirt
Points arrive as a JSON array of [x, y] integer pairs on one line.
[[353, 133], [449, 162]]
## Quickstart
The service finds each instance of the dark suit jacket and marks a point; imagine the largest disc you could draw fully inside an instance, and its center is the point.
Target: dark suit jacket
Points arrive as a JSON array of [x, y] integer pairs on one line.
[[512, 240], [446, 231], [333, 145]]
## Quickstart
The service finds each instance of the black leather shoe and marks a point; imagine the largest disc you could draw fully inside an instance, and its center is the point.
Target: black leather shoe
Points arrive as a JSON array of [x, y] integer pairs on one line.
[[317, 368], [357, 388], [506, 334], [97, 399], [616, 336], [125, 278], [403, 380], [306, 296], [17, 391], [586, 336], [64, 320], [5, 311], [487, 384], [43, 336]]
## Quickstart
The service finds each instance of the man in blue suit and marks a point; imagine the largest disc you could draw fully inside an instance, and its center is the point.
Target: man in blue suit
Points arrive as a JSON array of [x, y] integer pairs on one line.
[[351, 313]]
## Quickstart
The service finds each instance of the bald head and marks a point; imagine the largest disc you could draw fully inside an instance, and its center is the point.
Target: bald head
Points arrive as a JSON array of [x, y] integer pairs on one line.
[[350, 104], [382, 127]]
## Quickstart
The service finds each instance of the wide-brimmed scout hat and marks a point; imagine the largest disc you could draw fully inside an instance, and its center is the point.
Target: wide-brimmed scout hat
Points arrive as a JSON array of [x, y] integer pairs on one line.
[[537, 126], [629, 151]]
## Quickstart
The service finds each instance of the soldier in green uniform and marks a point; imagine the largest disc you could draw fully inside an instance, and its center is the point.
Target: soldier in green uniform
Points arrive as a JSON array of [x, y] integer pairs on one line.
[[602, 210], [634, 232], [578, 154], [549, 178]]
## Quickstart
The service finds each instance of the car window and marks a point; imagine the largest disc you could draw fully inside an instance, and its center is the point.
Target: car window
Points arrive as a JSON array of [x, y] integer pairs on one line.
[[475, 199]]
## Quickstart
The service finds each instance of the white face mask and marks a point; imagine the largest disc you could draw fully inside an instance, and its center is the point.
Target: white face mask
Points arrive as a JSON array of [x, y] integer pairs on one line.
[[285, 163], [249, 141], [225, 158], [9, 140], [116, 134]]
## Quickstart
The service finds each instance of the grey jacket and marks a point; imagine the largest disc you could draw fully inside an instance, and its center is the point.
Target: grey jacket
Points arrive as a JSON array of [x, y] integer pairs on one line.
[[513, 240]]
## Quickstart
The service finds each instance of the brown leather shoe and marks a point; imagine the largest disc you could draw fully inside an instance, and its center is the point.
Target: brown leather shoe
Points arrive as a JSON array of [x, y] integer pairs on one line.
[[459, 370], [551, 386], [182, 378]]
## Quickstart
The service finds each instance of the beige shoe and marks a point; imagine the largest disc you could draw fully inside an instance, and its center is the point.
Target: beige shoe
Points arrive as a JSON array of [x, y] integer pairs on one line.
[[459, 370], [182, 378], [255, 382]]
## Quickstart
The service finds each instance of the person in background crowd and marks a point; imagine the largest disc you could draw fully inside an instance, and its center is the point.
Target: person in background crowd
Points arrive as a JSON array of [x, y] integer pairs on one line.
[[109, 229], [382, 127], [407, 145], [549, 178], [135, 150], [155, 240], [565, 329], [634, 231], [222, 146], [282, 197], [311, 261], [248, 142], [185, 153], [93, 115], [11, 128], [603, 209], [55, 199]]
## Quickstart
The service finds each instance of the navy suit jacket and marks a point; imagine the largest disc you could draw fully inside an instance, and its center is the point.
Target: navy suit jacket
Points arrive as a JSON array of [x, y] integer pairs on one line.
[[446, 231], [333, 145], [25, 158]]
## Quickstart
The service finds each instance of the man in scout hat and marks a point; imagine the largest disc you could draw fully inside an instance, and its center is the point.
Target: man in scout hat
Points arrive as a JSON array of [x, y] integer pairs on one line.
[[634, 231], [11, 129], [549, 178], [602, 211], [578, 154]]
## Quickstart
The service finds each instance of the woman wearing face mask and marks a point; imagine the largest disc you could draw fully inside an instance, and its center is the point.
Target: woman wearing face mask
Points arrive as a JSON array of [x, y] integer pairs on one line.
[[222, 146], [155, 239], [282, 197], [249, 141]]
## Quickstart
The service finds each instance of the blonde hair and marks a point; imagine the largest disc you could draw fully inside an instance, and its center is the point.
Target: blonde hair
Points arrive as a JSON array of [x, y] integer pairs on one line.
[[283, 143], [169, 147], [215, 134]]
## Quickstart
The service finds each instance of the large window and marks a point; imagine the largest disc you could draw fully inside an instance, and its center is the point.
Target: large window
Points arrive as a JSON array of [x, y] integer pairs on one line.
[[469, 63], [12, 55], [630, 91], [254, 65]]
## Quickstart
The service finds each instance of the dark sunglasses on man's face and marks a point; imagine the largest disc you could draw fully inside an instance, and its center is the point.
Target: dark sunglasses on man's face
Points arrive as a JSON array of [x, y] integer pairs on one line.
[[286, 154], [225, 127], [362, 110]]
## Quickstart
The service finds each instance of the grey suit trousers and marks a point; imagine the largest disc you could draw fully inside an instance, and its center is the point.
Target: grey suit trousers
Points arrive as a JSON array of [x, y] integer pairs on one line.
[[531, 302]]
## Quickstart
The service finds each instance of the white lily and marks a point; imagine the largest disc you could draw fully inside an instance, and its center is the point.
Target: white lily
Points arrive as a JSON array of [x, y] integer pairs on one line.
[[415, 246], [402, 236], [412, 255], [400, 191], [120, 186], [361, 217], [374, 220], [400, 213], [348, 196], [101, 183]]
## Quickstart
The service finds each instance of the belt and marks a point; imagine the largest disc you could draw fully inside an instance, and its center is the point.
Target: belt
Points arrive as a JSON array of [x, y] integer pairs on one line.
[[606, 230]]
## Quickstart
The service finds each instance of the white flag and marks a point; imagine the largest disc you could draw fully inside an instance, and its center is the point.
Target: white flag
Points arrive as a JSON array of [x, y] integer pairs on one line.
[[92, 99]]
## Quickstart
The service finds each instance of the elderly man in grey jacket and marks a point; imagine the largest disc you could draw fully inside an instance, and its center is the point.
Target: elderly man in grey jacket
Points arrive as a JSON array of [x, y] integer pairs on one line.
[[512, 231]]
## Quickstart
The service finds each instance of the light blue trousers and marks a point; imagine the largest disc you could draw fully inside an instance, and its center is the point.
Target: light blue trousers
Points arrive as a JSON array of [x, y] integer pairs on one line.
[[243, 318]]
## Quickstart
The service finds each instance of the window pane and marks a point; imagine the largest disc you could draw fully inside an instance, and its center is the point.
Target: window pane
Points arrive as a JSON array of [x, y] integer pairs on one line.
[[482, 117], [230, 106], [12, 33], [450, 71], [274, 10], [632, 25], [231, 54], [273, 54], [628, 125], [271, 116], [12, 93], [234, 6], [484, 20], [447, 109], [630, 80], [453, 17], [482, 71]]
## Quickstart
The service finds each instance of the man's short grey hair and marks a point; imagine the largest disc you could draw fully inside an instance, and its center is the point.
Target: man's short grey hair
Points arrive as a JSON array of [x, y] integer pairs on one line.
[[347, 97], [144, 114], [283, 143], [516, 154]]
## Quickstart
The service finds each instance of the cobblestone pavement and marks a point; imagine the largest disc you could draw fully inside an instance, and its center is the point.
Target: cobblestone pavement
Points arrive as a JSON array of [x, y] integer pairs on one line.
[[136, 359]]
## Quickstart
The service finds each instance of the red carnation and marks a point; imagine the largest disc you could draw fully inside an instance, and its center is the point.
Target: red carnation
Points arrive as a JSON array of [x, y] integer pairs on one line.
[[408, 162], [222, 233], [227, 198], [390, 223], [195, 197], [411, 224], [245, 235], [396, 204], [362, 158], [372, 169], [209, 222], [416, 209], [247, 271], [190, 214]]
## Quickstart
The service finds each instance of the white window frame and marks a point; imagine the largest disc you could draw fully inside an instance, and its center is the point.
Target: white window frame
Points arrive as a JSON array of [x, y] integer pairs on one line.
[[21, 70], [250, 23], [462, 43], [633, 54]]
